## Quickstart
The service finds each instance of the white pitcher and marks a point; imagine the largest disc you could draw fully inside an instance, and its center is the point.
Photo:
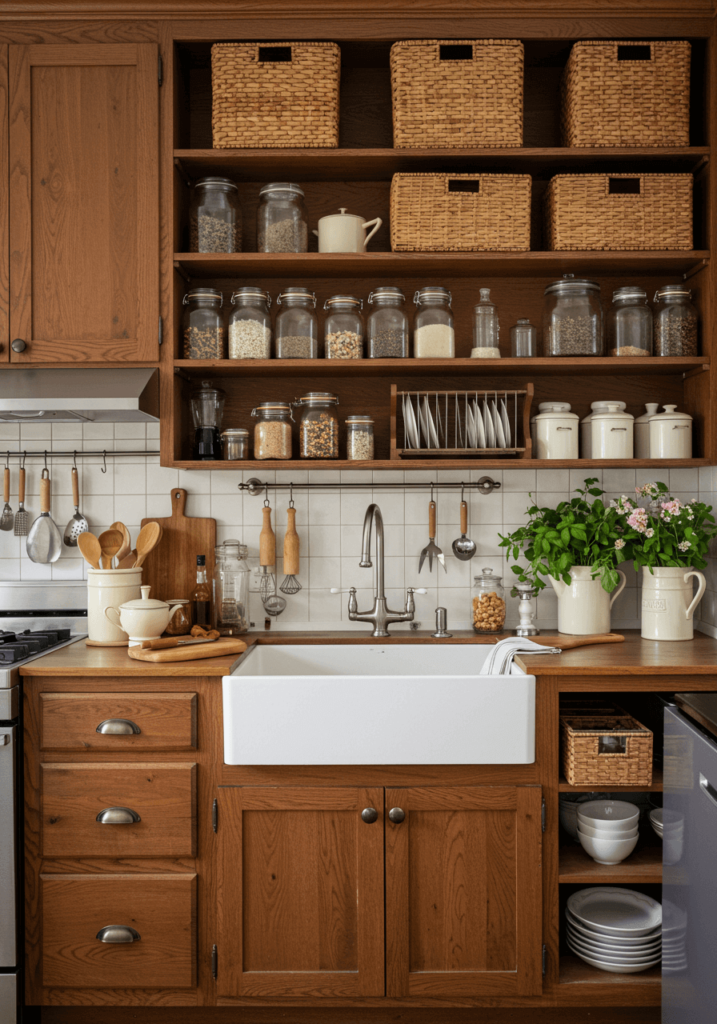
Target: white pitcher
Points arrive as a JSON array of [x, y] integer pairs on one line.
[[345, 232], [583, 606], [668, 604]]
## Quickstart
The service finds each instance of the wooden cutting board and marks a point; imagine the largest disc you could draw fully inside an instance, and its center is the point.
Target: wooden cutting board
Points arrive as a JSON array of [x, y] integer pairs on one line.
[[189, 653], [171, 569], [566, 643]]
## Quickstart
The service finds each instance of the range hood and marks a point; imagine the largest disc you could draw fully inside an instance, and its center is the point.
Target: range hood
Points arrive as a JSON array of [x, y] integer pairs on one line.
[[68, 396]]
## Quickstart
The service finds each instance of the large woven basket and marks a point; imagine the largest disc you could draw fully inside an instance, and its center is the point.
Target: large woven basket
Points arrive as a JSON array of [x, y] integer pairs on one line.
[[454, 93], [619, 211], [627, 94], [460, 212], [605, 751], [277, 95]]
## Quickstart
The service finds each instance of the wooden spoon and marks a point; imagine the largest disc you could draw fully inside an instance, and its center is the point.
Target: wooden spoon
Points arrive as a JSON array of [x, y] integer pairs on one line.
[[90, 549], [126, 544], [128, 561], [147, 540], [110, 542]]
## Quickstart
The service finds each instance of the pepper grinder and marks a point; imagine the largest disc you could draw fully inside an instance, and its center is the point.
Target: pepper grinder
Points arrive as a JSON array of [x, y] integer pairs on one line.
[[525, 592]]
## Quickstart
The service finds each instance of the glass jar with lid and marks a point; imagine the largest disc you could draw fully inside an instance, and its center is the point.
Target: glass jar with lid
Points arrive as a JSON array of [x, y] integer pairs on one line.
[[433, 334], [296, 328], [281, 222], [272, 431], [231, 590], [235, 441], [488, 603], [203, 324], [343, 330], [676, 322], [523, 340], [250, 324], [359, 438], [629, 325], [319, 425], [486, 328], [181, 621], [387, 324], [215, 216], [573, 319]]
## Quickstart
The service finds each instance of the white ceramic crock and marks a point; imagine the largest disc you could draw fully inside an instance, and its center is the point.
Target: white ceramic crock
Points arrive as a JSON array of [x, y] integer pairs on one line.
[[143, 619], [668, 603], [612, 432], [345, 232], [109, 588], [584, 607], [671, 434], [642, 431], [586, 437], [555, 431]]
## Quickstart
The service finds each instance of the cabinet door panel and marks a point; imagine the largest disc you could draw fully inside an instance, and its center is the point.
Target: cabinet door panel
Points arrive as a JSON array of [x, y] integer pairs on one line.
[[463, 892], [4, 212], [300, 892], [84, 202]]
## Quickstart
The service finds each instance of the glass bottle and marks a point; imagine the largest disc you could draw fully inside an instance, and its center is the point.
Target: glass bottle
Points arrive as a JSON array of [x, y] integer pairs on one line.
[[433, 334], [343, 330], [215, 216], [676, 322], [629, 326], [297, 329], [272, 432], [203, 325], [486, 328], [201, 596], [207, 405], [573, 319], [523, 340], [387, 324], [319, 426], [281, 221], [231, 590], [488, 603], [250, 324], [359, 438]]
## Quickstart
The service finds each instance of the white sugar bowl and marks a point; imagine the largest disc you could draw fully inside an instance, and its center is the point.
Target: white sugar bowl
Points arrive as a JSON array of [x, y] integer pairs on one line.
[[144, 619]]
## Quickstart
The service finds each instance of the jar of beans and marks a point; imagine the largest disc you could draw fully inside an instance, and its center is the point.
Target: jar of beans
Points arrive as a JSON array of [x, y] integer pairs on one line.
[[343, 331], [215, 216], [488, 603], [387, 324], [272, 432], [297, 329], [203, 324], [359, 438], [319, 426], [573, 318], [676, 322]]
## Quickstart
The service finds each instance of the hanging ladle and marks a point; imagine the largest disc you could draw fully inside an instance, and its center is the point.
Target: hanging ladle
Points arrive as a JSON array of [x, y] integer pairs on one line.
[[463, 547]]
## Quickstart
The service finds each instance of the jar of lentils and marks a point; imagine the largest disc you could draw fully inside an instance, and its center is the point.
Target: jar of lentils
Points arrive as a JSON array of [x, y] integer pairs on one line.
[[215, 216], [297, 329], [676, 322], [572, 318], [250, 324], [319, 425], [281, 222], [359, 438], [387, 324], [629, 325], [488, 603], [203, 324], [272, 431], [343, 331]]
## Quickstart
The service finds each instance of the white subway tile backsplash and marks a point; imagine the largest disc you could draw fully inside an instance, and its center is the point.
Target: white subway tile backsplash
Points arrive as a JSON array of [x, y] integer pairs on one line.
[[98, 431], [518, 480], [9, 569], [324, 541]]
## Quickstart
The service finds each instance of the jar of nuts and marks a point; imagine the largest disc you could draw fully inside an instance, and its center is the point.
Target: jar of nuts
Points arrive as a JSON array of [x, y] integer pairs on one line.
[[319, 426], [488, 603], [343, 331]]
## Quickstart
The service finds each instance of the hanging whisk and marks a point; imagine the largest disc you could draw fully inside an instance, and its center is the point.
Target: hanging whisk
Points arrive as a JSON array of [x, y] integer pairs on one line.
[[291, 550]]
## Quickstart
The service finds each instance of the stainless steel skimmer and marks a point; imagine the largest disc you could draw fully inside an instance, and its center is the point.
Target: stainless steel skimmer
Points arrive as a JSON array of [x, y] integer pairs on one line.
[[77, 524]]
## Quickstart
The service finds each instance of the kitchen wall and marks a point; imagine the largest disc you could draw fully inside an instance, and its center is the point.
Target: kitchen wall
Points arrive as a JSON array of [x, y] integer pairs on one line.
[[329, 523]]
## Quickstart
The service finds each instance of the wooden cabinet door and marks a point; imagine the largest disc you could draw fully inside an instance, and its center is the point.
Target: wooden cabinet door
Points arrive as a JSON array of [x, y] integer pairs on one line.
[[463, 892], [84, 190], [300, 892], [4, 213]]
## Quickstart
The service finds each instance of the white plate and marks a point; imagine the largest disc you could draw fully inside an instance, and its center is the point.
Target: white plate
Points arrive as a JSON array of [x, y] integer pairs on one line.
[[471, 432], [506, 424], [499, 435], [429, 425], [612, 967], [480, 429], [489, 426], [634, 956], [613, 911], [590, 933], [409, 419], [608, 942]]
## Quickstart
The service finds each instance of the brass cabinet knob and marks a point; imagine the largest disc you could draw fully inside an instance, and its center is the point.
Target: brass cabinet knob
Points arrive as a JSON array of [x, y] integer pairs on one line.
[[369, 815], [396, 815]]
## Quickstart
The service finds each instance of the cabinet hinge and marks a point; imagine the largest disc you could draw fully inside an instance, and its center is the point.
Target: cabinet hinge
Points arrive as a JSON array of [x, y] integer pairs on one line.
[[545, 960], [542, 815], [160, 68], [214, 819], [161, 330], [214, 962]]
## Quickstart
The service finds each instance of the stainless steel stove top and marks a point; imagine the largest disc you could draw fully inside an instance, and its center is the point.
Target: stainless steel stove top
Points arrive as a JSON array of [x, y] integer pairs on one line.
[[48, 615]]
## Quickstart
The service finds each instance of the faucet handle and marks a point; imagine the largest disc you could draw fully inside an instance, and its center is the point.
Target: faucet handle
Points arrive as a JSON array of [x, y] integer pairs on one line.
[[338, 590], [417, 590]]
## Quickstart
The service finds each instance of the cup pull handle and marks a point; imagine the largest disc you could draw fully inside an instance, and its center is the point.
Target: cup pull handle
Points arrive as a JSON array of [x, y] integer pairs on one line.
[[708, 789], [118, 933], [118, 816], [118, 727]]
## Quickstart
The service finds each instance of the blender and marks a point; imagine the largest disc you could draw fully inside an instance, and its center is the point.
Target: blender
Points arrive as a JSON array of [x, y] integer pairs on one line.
[[207, 405]]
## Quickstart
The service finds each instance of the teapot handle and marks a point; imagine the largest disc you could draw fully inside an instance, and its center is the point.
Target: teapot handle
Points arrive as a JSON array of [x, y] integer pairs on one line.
[[700, 591], [115, 622], [378, 222]]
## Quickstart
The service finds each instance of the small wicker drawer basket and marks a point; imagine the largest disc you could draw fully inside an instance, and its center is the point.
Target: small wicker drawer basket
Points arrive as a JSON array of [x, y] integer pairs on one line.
[[460, 212], [275, 95], [457, 93], [619, 211], [605, 751], [627, 94]]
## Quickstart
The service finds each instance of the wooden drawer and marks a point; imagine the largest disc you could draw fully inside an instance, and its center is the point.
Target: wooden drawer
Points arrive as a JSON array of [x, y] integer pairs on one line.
[[160, 908], [163, 795], [139, 721]]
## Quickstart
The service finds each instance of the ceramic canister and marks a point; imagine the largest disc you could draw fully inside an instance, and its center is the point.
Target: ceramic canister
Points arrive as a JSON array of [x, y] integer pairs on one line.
[[583, 606], [612, 432], [642, 431], [555, 431], [586, 437], [668, 603], [109, 588], [671, 434]]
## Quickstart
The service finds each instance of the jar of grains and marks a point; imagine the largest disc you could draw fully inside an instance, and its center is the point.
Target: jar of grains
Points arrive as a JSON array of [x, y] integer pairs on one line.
[[203, 324], [319, 426], [572, 318], [676, 322], [281, 223], [250, 324], [488, 603], [359, 438], [296, 328], [272, 431], [387, 324], [433, 335], [629, 325], [215, 216], [343, 331]]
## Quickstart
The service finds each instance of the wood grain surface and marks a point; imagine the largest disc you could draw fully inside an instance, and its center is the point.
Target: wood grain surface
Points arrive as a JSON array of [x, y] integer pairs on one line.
[[171, 569], [4, 213], [216, 649], [167, 721]]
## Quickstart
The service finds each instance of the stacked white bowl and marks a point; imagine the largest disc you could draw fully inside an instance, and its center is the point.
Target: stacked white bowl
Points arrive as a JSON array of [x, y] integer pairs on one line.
[[670, 827], [607, 829], [615, 930]]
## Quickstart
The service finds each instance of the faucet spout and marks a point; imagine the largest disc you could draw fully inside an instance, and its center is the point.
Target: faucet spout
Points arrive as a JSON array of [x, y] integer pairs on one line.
[[380, 614], [373, 512]]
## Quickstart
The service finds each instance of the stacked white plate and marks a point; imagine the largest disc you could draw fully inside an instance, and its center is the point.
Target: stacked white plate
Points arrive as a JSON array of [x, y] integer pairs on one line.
[[607, 829], [674, 945], [615, 930]]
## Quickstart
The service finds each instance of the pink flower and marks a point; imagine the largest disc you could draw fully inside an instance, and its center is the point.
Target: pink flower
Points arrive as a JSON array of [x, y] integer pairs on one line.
[[673, 507], [638, 520]]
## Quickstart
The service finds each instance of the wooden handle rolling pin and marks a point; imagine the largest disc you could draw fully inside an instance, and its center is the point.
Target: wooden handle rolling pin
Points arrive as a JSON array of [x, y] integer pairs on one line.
[[267, 540], [567, 643], [464, 518], [291, 545]]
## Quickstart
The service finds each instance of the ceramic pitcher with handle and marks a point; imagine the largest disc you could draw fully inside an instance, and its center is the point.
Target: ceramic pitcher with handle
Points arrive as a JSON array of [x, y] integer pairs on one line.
[[583, 606], [345, 232], [668, 603]]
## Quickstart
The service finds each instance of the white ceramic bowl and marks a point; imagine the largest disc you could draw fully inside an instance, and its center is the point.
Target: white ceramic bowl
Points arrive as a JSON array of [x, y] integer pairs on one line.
[[603, 833], [614, 815], [607, 851]]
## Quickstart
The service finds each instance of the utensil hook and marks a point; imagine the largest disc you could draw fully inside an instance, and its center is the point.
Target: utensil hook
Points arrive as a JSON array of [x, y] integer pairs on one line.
[[431, 492], [291, 496], [24, 456], [463, 488], [7, 461], [46, 460], [74, 460], [103, 469], [267, 503]]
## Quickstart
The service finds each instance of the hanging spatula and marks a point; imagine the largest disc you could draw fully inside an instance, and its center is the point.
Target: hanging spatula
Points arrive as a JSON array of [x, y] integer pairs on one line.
[[6, 520], [431, 549], [22, 516]]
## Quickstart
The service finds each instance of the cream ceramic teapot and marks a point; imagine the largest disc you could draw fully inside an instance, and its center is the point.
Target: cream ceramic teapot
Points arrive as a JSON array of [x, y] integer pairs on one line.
[[144, 619], [345, 232]]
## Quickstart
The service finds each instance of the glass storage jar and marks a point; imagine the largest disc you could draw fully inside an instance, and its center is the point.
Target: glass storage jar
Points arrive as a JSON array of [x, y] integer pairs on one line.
[[676, 322], [433, 334], [281, 222], [319, 425], [250, 324], [359, 438], [523, 340], [488, 603], [181, 621], [236, 443], [387, 324], [272, 431], [231, 590], [296, 328], [203, 324], [485, 328], [629, 326], [343, 330], [215, 216], [572, 318]]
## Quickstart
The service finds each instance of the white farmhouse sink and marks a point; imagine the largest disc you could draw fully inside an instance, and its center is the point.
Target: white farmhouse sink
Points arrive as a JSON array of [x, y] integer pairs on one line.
[[380, 704]]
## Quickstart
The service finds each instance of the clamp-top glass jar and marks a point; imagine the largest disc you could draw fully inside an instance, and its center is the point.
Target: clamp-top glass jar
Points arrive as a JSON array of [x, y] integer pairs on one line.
[[272, 432], [488, 603], [629, 327], [319, 425], [359, 438], [676, 322], [215, 216], [281, 222], [433, 334], [203, 324], [572, 318], [387, 324], [231, 590], [297, 329], [343, 330], [250, 324]]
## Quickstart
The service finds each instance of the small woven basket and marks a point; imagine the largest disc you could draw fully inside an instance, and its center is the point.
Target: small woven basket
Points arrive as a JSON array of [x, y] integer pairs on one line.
[[457, 93], [619, 211], [460, 212], [627, 94], [605, 751], [275, 95]]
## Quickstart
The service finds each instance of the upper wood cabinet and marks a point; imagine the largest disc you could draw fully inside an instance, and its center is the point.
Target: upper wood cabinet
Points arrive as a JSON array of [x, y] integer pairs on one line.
[[84, 215]]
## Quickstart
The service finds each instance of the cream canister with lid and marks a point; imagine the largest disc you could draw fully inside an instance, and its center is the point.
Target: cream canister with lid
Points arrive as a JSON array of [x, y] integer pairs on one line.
[[642, 431], [555, 431], [671, 434], [586, 437], [612, 432]]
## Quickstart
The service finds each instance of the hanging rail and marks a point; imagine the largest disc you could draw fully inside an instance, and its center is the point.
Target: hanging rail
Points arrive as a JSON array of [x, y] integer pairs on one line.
[[48, 453], [485, 485]]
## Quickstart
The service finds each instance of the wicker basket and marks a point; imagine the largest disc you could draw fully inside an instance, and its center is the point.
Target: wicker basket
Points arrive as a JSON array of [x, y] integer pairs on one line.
[[619, 211], [277, 95], [605, 751], [627, 94], [454, 93], [460, 212]]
